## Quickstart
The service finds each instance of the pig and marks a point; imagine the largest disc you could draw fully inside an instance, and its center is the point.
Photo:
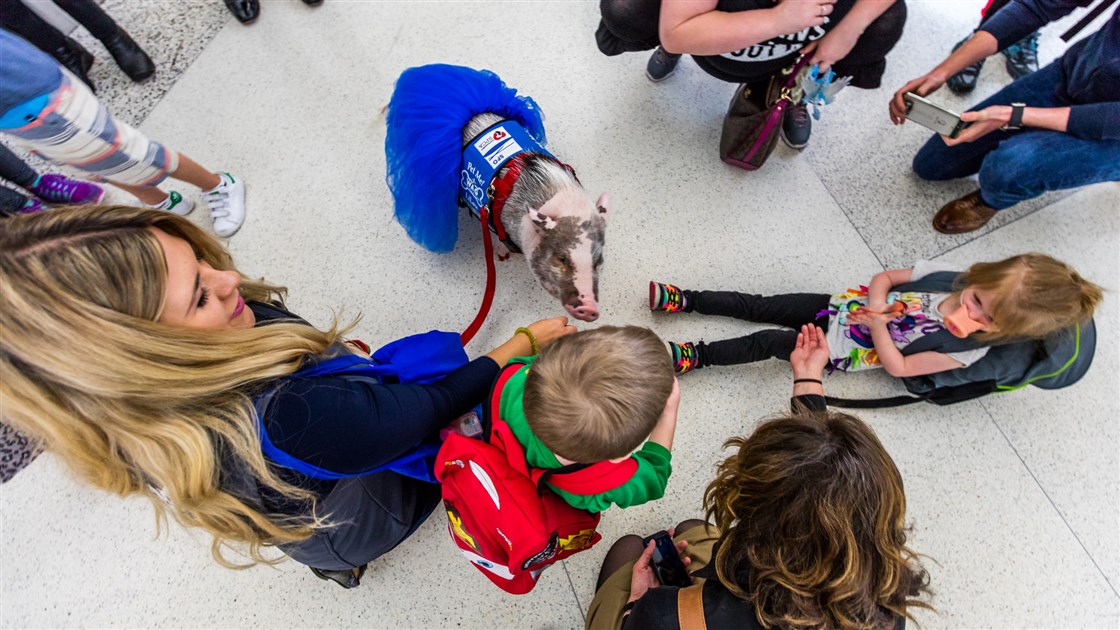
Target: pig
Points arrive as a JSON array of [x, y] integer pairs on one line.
[[550, 218], [434, 112]]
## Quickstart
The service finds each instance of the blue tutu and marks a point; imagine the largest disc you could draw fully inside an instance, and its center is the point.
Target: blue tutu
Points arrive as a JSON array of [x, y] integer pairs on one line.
[[423, 143]]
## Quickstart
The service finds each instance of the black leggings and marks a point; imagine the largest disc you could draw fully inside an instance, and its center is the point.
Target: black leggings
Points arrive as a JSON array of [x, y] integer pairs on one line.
[[791, 310], [18, 172], [24, 22]]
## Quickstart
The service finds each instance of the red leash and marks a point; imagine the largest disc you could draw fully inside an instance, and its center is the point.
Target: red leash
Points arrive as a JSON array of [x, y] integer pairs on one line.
[[500, 190], [488, 296]]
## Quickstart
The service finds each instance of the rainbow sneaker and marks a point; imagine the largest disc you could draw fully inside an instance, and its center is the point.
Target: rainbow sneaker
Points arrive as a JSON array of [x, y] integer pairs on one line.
[[686, 357], [666, 298]]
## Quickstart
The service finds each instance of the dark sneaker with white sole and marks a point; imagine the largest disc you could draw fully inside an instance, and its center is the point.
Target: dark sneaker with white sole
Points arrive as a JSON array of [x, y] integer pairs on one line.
[[797, 125], [964, 81], [661, 65], [1022, 56]]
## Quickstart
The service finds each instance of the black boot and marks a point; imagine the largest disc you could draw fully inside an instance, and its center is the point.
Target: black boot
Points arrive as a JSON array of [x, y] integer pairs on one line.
[[129, 56], [244, 10], [346, 579], [76, 59]]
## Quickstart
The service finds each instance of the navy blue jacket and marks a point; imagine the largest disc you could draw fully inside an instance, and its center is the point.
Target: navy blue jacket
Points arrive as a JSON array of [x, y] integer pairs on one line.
[[352, 425], [1090, 68]]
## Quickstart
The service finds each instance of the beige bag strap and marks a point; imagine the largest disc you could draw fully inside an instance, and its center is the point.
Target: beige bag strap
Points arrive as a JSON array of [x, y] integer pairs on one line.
[[690, 608]]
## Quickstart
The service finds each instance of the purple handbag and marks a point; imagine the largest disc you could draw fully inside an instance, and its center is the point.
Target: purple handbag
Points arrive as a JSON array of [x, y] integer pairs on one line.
[[750, 129]]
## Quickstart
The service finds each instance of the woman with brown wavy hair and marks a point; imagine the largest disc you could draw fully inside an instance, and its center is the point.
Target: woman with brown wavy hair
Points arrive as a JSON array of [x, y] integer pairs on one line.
[[132, 348], [809, 531]]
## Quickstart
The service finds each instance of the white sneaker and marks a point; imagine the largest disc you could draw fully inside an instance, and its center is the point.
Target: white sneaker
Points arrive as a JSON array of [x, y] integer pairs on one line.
[[175, 204], [227, 205]]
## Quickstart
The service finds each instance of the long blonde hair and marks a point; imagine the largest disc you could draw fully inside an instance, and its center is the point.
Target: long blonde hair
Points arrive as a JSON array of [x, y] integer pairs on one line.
[[812, 513], [1035, 296], [130, 403]]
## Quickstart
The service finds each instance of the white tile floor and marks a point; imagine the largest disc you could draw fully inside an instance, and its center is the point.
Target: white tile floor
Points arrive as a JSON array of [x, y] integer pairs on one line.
[[1015, 499]]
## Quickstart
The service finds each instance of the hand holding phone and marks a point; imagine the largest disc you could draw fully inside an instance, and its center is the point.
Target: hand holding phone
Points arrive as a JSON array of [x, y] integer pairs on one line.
[[932, 116], [667, 564]]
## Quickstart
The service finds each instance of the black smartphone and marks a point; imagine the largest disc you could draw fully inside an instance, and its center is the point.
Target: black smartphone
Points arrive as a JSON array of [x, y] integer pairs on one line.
[[666, 561]]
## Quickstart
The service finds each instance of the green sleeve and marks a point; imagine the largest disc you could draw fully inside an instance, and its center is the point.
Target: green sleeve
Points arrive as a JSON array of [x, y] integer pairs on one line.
[[647, 484]]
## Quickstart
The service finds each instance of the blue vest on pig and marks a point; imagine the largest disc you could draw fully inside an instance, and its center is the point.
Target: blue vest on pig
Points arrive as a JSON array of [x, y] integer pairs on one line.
[[485, 155]]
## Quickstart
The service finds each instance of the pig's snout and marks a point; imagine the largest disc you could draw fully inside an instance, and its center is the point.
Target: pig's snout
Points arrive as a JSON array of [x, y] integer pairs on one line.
[[588, 311]]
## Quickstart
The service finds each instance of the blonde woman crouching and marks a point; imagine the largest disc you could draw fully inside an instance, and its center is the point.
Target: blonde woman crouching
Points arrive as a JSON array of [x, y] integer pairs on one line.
[[809, 531], [174, 345]]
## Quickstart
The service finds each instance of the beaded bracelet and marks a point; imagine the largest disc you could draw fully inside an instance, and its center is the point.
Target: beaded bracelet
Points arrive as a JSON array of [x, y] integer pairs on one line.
[[532, 339]]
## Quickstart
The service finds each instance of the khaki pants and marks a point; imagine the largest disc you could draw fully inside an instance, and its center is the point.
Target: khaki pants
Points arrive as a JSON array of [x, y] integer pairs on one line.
[[605, 612]]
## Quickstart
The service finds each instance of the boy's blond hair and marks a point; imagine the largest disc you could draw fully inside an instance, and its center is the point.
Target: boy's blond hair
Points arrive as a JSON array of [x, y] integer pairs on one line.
[[597, 394]]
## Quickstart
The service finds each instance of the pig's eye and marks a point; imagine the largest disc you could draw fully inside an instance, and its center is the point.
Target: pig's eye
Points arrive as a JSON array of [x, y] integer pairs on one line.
[[562, 259]]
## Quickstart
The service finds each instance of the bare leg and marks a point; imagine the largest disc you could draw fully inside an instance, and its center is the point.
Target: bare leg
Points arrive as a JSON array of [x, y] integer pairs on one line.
[[149, 196], [193, 173]]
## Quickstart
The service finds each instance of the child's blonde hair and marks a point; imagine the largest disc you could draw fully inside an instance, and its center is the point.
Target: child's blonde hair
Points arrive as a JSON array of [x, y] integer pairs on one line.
[[1035, 295], [597, 394]]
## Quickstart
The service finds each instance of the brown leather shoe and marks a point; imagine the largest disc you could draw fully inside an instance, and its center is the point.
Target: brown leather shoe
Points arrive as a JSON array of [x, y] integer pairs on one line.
[[963, 215]]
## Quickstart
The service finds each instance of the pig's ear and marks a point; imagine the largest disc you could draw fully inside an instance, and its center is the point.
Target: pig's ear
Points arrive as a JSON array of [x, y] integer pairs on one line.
[[541, 221], [604, 205]]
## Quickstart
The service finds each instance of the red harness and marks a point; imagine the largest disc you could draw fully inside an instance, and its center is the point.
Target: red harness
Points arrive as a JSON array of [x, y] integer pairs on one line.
[[490, 216], [501, 187]]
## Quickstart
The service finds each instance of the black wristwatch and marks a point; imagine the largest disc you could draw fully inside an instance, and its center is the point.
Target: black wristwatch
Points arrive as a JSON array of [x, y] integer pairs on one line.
[[1016, 122]]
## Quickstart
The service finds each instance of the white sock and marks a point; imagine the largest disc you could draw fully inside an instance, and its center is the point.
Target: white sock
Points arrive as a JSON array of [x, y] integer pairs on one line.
[[163, 205], [222, 181]]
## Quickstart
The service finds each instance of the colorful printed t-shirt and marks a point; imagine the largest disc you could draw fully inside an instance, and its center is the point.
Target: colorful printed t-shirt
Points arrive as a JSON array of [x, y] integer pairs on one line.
[[851, 347], [647, 484]]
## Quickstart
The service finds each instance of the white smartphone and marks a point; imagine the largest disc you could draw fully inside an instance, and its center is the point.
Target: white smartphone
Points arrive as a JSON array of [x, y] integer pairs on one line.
[[932, 116]]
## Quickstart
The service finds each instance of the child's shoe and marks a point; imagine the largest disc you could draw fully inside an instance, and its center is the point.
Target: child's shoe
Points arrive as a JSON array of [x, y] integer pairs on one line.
[[59, 189], [666, 298], [175, 204], [32, 206], [686, 357], [227, 205]]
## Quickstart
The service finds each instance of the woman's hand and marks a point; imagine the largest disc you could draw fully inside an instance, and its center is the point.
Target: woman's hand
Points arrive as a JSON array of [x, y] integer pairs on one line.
[[794, 16], [548, 330], [834, 46], [983, 122], [810, 356], [642, 579], [922, 86], [545, 332]]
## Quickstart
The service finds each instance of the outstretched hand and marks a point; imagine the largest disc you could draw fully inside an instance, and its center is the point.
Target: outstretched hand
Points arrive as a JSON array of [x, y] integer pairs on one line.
[[548, 330], [810, 355]]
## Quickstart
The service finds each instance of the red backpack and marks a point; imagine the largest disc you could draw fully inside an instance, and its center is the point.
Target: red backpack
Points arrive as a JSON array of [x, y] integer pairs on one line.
[[500, 513]]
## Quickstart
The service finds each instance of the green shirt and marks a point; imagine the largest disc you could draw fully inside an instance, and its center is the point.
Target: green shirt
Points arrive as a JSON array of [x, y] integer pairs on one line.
[[647, 484]]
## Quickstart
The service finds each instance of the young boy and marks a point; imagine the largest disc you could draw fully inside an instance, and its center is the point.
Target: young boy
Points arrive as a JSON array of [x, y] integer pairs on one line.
[[596, 396]]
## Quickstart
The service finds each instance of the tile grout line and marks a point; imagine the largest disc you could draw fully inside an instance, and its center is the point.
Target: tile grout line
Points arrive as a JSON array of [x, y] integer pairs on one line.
[[1051, 501], [572, 585], [847, 216]]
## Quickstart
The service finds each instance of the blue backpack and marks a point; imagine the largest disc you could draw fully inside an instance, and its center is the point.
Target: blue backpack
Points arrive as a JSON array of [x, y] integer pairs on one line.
[[423, 358]]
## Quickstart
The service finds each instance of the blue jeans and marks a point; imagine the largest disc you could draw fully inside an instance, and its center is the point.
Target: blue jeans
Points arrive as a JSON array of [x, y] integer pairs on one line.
[[1018, 165]]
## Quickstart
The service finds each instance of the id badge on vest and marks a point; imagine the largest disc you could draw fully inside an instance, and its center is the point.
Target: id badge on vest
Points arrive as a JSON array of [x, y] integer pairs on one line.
[[486, 154]]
